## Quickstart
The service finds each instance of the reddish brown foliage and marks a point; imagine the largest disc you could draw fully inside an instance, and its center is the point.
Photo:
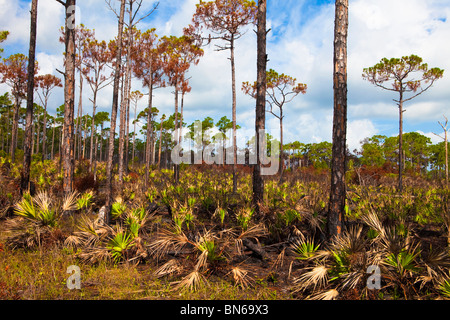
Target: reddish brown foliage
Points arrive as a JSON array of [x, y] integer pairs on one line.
[[85, 182]]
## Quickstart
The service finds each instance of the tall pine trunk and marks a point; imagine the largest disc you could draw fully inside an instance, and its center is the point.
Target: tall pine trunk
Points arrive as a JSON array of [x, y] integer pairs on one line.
[[400, 144], [15, 128], [69, 98], [233, 88], [92, 153], [115, 102], [260, 120], [336, 209], [148, 139], [25, 177], [44, 133]]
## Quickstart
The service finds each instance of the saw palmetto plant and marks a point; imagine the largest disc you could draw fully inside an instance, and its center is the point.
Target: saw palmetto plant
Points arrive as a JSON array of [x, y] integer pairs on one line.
[[36, 217]]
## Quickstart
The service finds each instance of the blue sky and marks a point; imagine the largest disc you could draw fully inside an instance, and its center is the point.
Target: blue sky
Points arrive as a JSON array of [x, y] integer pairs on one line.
[[300, 44]]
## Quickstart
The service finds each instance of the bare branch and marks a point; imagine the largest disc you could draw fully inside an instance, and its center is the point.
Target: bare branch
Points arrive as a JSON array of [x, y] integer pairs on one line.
[[63, 73], [108, 3]]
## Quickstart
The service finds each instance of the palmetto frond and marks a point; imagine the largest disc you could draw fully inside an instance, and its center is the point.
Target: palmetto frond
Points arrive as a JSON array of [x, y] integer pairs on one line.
[[241, 277], [316, 277], [192, 282], [170, 267], [326, 295]]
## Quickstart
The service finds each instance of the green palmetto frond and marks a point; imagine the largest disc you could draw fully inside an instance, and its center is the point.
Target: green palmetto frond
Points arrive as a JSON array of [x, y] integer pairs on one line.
[[37, 209], [85, 200], [305, 249], [118, 208], [25, 208], [119, 244], [444, 287], [403, 262]]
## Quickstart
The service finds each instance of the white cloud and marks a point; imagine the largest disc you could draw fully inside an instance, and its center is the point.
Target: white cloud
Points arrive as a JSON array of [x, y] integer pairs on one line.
[[300, 44], [358, 130]]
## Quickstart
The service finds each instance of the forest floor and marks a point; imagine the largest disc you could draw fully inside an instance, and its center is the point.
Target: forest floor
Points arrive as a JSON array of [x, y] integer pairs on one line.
[[170, 243]]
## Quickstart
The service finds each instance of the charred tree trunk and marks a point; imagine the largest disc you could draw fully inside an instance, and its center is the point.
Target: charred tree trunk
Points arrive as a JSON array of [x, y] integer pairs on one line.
[[260, 121], [25, 177], [338, 163]]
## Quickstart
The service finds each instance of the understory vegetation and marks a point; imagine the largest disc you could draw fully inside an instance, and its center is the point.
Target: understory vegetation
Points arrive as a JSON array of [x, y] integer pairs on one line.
[[199, 240]]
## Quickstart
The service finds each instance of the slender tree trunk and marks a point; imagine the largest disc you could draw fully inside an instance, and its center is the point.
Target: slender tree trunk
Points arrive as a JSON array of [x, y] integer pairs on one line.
[[101, 142], [91, 152], [176, 167], [80, 115], [38, 133], [233, 88], [281, 159], [25, 177], [336, 209], [260, 120], [85, 135], [94, 165], [125, 102], [446, 158], [44, 133], [400, 145], [69, 99], [134, 131], [53, 142], [149, 131], [33, 131], [160, 144], [15, 129], [127, 133], [112, 132]]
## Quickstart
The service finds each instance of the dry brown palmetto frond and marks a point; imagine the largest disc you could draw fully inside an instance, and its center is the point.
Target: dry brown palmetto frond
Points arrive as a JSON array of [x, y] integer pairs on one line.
[[192, 282], [42, 200], [202, 261], [89, 233], [373, 220], [70, 202], [352, 279], [254, 231], [279, 261], [317, 277], [93, 255], [73, 241], [351, 241], [170, 267], [326, 295], [168, 240], [241, 277]]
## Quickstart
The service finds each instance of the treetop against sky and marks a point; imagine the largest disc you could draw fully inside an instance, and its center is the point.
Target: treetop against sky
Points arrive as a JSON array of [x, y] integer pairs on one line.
[[300, 44]]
